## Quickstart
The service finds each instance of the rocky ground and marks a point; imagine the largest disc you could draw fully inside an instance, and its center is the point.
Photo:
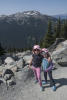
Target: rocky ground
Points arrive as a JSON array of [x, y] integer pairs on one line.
[[27, 90]]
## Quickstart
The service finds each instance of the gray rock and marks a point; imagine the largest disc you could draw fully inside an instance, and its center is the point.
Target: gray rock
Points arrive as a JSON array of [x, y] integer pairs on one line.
[[60, 55], [62, 58], [9, 78], [9, 60], [20, 63], [27, 58], [54, 45]]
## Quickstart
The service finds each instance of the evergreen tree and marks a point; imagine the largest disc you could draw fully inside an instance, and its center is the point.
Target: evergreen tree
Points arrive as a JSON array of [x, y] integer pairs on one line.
[[58, 29], [64, 29], [2, 51], [49, 39]]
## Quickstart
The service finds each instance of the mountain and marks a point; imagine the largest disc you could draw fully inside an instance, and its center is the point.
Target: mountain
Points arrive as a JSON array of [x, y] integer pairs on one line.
[[62, 16], [23, 29]]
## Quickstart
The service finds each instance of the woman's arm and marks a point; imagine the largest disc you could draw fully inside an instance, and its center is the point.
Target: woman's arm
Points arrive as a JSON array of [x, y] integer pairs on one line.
[[30, 62]]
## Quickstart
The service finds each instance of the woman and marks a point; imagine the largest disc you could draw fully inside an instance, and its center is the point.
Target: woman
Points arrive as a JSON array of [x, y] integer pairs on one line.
[[36, 64]]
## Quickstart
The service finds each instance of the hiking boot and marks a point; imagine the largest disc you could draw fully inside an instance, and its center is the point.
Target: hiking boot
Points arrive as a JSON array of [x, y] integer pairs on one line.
[[36, 81], [41, 88], [44, 82], [54, 88]]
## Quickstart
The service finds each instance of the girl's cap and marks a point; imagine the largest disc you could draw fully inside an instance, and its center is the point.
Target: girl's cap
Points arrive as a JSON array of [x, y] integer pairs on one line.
[[44, 50]]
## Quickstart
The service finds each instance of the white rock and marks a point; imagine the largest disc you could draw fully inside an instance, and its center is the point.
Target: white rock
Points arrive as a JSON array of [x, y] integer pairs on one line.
[[9, 60], [12, 67], [20, 54], [58, 51], [27, 58], [65, 43]]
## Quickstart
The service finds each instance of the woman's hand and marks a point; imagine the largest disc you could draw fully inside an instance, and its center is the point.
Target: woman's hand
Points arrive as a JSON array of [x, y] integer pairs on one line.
[[30, 67]]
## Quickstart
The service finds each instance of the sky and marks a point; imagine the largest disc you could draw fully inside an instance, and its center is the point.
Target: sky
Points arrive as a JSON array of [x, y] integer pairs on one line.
[[48, 7]]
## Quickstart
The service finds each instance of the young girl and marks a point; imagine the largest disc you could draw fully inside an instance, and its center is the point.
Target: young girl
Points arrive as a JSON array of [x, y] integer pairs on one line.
[[47, 67], [36, 64]]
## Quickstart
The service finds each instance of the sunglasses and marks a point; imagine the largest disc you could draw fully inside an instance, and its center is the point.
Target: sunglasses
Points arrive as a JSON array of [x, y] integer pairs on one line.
[[36, 50]]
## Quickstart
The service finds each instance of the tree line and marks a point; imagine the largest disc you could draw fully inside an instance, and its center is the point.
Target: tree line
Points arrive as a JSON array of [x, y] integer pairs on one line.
[[55, 30]]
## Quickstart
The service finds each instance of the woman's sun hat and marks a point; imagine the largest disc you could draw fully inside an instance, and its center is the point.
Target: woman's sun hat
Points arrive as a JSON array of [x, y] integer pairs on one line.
[[36, 47]]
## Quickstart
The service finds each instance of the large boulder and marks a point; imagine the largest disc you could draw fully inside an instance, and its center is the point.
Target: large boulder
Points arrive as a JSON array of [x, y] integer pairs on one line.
[[13, 67], [55, 44], [20, 54], [20, 63], [62, 58], [10, 64], [27, 58], [9, 77], [60, 54], [9, 60], [7, 74]]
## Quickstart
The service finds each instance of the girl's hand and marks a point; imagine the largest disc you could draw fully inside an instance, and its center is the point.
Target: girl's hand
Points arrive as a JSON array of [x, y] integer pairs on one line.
[[46, 70]]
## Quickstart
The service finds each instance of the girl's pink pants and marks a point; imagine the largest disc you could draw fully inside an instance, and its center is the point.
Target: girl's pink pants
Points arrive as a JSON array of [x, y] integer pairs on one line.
[[37, 73]]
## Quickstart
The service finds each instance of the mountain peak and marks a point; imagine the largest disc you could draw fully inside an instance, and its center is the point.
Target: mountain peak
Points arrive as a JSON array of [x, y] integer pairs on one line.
[[31, 12]]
